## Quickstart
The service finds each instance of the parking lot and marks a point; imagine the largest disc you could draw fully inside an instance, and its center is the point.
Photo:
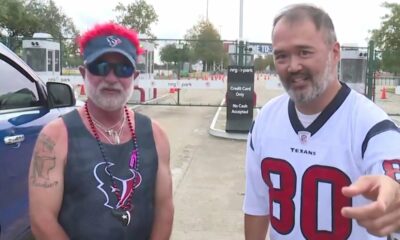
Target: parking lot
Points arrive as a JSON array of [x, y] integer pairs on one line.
[[208, 171]]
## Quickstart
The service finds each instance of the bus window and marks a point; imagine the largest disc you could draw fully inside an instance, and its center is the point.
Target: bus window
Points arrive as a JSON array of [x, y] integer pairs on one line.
[[35, 58]]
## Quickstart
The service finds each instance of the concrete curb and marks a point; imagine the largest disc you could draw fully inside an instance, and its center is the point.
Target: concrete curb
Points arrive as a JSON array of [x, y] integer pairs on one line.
[[222, 133], [135, 106]]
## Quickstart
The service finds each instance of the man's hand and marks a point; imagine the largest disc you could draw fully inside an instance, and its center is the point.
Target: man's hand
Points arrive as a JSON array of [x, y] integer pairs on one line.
[[382, 216]]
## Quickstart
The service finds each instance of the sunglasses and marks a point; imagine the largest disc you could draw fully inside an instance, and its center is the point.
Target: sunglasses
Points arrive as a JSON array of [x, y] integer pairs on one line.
[[103, 69]]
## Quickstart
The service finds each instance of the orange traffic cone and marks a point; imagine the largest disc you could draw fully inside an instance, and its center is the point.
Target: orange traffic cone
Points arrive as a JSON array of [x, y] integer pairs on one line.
[[383, 94], [82, 90]]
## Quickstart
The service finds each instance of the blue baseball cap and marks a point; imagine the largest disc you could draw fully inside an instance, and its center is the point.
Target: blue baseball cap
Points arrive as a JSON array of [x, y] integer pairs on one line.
[[109, 44]]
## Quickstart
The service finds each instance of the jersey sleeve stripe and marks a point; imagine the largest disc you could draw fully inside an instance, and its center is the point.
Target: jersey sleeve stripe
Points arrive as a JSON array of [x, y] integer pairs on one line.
[[251, 137], [383, 126]]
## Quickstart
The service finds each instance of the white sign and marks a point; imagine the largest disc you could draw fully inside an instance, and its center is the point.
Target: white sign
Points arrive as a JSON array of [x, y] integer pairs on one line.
[[260, 48], [253, 48], [71, 79], [182, 83], [397, 90]]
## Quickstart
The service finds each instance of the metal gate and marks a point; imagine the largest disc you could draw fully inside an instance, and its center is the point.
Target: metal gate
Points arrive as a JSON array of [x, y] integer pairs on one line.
[[184, 72]]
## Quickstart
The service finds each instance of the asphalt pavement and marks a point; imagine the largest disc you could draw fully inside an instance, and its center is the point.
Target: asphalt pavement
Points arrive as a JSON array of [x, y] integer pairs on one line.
[[208, 163]]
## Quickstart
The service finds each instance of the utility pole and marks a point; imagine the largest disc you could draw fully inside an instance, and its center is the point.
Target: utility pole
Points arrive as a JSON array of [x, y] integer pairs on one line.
[[241, 44], [207, 12], [240, 20], [370, 70]]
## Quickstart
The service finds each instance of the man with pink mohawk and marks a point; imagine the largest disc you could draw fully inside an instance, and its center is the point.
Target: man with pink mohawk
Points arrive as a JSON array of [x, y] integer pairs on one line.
[[102, 171]]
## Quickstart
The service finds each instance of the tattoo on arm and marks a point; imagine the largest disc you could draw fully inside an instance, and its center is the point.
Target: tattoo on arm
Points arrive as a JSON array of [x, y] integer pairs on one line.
[[44, 160]]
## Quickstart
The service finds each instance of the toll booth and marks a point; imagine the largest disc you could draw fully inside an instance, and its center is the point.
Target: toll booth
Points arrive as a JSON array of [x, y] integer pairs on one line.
[[42, 54], [353, 68], [145, 65]]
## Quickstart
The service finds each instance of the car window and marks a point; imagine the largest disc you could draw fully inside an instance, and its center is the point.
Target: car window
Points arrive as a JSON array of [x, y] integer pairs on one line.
[[16, 91]]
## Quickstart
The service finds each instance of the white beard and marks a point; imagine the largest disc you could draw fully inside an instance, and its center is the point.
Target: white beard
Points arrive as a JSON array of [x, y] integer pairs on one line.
[[108, 103]]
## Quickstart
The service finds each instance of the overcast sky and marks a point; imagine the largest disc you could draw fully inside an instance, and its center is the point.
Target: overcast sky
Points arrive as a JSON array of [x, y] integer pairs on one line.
[[352, 19]]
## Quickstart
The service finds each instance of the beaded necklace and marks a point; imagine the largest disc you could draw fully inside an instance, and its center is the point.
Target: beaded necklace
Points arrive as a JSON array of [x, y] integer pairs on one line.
[[122, 213]]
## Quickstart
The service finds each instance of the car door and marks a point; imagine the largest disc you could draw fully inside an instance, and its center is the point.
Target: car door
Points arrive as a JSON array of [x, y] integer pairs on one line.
[[23, 113]]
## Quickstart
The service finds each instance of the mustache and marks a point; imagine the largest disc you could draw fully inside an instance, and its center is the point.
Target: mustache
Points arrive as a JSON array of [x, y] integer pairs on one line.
[[103, 85], [304, 75], [115, 86]]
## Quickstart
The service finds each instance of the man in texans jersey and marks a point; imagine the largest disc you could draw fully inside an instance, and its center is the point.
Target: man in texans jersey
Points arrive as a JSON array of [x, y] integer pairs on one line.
[[322, 160]]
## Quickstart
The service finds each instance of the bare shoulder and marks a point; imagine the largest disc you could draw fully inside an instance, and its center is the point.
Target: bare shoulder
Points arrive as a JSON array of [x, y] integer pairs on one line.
[[161, 141], [54, 132], [49, 155], [158, 131]]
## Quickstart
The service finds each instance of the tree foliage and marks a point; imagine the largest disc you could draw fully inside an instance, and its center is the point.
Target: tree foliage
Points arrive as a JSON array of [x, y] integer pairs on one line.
[[138, 15], [22, 18], [206, 43], [51, 19], [168, 53], [387, 38], [263, 63], [13, 18], [175, 54]]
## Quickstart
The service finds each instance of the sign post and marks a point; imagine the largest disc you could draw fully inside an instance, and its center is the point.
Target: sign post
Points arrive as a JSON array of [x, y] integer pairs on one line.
[[239, 99]]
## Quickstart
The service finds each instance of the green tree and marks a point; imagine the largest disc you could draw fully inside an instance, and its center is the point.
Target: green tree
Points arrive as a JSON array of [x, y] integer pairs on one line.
[[168, 54], [270, 62], [50, 19], [138, 15], [176, 54], [14, 19], [21, 18], [387, 38], [260, 64], [206, 44]]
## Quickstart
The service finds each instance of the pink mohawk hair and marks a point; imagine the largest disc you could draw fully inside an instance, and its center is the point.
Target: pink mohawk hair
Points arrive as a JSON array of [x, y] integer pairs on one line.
[[109, 29]]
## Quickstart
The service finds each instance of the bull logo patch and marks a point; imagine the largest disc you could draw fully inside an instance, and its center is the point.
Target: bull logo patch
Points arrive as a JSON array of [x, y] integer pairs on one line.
[[125, 183]]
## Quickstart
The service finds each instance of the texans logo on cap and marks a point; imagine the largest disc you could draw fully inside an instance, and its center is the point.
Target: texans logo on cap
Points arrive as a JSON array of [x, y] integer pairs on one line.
[[113, 41]]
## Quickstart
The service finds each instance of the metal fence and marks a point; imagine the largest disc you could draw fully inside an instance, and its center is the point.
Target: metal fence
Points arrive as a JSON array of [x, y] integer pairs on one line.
[[194, 72]]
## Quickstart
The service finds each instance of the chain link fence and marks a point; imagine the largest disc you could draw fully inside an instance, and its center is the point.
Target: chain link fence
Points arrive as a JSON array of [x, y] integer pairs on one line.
[[194, 72]]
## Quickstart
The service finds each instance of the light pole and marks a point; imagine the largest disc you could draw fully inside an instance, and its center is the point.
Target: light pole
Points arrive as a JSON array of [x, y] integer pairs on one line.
[[241, 20], [179, 47], [241, 44], [207, 12]]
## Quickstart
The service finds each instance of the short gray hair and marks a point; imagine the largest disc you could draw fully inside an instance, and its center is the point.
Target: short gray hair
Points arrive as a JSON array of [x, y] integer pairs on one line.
[[298, 12]]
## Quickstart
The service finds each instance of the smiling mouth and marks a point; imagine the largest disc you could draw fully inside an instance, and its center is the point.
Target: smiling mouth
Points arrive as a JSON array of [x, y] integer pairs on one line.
[[298, 82]]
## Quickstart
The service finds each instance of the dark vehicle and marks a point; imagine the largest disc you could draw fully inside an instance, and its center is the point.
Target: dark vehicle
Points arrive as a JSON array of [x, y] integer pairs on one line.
[[26, 105]]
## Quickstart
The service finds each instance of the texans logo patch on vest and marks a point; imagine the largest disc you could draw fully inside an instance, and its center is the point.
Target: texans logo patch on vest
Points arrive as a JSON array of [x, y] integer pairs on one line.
[[125, 184]]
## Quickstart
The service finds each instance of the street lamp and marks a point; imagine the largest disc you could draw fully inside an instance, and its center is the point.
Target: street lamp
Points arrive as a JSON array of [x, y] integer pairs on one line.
[[241, 44], [207, 12]]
